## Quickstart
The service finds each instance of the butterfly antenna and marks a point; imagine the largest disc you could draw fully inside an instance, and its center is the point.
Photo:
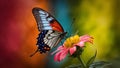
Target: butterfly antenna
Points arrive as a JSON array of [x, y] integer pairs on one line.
[[34, 53], [70, 26], [72, 22], [76, 32]]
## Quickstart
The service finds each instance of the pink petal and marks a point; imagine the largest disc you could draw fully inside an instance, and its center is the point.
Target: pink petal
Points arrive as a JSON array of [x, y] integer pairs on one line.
[[58, 49], [63, 54], [72, 50], [57, 56], [80, 44], [85, 38]]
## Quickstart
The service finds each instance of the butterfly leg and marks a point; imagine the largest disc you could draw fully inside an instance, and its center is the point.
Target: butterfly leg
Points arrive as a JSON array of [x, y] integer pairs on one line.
[[34, 53]]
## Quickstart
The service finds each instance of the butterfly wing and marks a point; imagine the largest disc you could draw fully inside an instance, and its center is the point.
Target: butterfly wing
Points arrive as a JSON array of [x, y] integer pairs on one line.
[[51, 32], [45, 21]]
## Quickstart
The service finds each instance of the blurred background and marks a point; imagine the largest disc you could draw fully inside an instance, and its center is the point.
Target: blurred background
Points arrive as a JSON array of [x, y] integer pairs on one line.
[[18, 30]]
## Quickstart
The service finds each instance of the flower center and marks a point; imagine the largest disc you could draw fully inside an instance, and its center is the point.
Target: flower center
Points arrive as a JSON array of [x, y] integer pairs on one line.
[[69, 42]]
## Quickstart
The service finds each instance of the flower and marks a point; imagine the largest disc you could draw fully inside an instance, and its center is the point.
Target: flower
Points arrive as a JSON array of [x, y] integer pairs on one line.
[[69, 46]]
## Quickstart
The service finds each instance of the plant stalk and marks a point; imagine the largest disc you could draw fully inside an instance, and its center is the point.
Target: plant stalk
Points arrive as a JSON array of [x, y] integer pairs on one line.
[[81, 62]]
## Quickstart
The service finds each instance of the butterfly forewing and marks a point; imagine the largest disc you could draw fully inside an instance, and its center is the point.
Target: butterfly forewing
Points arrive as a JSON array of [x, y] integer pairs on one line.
[[45, 21]]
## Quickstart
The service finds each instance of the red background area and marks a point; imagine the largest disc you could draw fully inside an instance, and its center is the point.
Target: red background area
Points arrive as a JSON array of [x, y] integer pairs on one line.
[[18, 33]]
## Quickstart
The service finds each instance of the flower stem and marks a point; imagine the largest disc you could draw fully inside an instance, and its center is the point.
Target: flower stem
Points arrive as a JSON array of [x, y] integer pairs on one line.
[[81, 62]]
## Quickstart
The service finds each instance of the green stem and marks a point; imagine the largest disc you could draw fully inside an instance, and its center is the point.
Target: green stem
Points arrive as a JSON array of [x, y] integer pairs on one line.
[[81, 62]]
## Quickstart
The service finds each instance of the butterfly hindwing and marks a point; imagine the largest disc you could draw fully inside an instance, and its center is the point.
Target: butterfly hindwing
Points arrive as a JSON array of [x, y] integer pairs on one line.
[[52, 37], [48, 39]]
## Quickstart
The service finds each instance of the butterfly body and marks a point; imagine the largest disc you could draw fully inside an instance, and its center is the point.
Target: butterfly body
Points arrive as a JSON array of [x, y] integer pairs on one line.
[[51, 32]]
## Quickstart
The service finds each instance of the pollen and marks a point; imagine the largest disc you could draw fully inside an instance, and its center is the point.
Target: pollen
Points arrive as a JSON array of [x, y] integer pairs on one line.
[[71, 41]]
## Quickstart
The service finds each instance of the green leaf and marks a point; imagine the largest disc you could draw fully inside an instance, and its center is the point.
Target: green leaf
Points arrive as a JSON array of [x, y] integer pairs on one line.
[[100, 64], [88, 55], [74, 66]]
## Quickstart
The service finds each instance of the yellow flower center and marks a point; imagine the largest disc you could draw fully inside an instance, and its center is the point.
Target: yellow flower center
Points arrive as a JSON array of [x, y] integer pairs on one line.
[[71, 40]]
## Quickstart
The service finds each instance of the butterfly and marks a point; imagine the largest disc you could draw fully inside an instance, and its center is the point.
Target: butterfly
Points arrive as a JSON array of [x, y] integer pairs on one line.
[[51, 31]]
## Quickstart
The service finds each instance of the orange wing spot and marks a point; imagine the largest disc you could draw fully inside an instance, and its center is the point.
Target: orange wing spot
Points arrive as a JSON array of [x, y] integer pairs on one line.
[[56, 26], [46, 48]]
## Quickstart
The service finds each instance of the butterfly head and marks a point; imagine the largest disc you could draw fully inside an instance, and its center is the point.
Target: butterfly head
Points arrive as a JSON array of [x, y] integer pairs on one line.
[[63, 35]]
